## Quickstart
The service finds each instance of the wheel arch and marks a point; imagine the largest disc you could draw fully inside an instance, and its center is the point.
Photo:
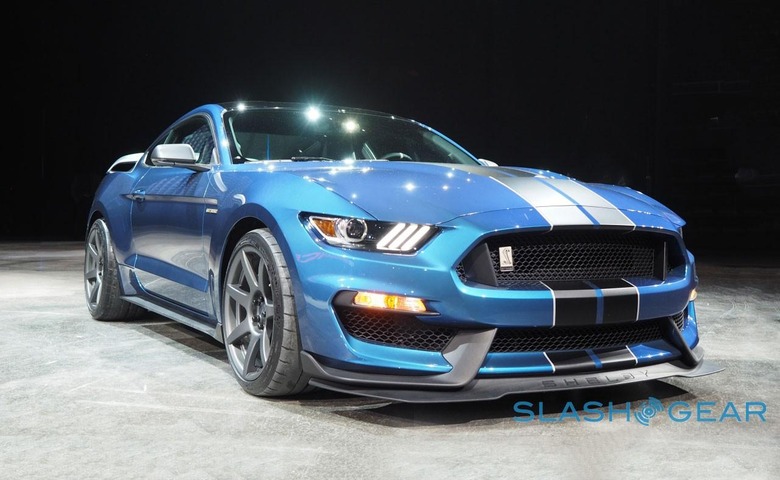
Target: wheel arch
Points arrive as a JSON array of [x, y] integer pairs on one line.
[[92, 217], [238, 230], [241, 228], [251, 220]]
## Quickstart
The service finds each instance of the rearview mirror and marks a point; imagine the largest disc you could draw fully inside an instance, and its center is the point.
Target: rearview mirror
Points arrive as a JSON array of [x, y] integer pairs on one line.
[[177, 155]]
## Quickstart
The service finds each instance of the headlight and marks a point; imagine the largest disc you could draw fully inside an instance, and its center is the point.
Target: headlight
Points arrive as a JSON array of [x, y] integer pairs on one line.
[[370, 234], [341, 230]]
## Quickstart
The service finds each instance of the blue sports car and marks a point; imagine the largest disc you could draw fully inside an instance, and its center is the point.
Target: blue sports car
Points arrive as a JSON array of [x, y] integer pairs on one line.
[[366, 253]]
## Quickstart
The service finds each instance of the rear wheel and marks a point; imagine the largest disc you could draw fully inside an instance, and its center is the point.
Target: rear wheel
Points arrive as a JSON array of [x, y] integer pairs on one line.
[[260, 327], [101, 277]]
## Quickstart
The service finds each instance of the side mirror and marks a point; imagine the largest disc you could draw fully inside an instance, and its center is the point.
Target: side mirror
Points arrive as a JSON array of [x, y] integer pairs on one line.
[[487, 163], [177, 155]]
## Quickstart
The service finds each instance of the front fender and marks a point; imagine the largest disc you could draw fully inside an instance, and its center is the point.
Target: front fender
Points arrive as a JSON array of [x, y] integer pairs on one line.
[[112, 203], [275, 200]]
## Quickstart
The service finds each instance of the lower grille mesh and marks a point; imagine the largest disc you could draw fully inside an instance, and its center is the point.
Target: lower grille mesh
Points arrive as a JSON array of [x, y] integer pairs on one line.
[[580, 338], [393, 329], [406, 331]]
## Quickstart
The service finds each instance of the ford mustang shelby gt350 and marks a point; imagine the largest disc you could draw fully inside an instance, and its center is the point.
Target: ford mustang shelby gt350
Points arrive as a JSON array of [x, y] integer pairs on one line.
[[366, 253]]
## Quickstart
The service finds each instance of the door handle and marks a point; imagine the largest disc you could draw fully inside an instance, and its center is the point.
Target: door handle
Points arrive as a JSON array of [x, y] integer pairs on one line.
[[138, 195]]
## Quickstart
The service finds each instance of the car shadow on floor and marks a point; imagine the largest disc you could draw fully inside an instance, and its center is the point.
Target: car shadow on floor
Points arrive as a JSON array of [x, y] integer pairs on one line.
[[564, 405], [185, 338]]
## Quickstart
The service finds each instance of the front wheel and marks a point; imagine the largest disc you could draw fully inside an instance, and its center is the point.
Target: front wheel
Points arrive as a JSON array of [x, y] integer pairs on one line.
[[260, 327]]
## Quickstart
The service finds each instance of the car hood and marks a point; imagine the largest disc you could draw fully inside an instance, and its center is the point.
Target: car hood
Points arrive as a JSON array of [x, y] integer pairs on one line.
[[432, 193]]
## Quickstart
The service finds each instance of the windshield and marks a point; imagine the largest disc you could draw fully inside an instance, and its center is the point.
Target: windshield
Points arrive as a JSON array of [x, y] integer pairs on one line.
[[301, 135]]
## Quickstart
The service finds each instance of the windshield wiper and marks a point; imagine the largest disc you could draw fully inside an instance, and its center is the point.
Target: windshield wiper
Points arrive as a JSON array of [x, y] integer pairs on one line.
[[312, 159]]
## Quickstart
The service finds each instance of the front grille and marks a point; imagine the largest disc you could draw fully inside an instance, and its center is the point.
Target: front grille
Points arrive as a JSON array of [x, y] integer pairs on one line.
[[406, 331], [393, 329], [585, 254], [580, 338]]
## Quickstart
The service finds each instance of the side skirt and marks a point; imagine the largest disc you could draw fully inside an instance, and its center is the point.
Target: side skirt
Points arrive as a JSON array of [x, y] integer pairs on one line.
[[153, 307]]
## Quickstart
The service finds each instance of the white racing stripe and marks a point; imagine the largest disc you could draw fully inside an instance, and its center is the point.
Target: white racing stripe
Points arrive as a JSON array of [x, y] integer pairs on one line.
[[550, 361], [597, 206], [564, 215], [555, 208], [638, 297], [552, 292], [561, 202]]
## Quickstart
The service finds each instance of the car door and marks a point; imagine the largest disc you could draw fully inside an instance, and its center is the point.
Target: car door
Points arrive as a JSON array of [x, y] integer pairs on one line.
[[167, 220]]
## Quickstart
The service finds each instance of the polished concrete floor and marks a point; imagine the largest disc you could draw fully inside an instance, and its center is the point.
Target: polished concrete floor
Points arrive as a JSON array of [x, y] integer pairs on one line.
[[149, 399]]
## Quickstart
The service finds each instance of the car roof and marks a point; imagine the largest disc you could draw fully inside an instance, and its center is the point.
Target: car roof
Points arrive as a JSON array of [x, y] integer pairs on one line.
[[262, 105]]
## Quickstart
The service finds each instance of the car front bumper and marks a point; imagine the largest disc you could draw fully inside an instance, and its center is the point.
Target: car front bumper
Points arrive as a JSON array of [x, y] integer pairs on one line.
[[436, 388], [467, 365]]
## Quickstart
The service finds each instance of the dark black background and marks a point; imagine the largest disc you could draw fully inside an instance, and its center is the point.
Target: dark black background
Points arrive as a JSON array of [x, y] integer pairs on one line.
[[678, 99]]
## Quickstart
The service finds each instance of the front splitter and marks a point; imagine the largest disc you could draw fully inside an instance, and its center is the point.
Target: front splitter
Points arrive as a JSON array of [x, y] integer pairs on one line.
[[481, 389]]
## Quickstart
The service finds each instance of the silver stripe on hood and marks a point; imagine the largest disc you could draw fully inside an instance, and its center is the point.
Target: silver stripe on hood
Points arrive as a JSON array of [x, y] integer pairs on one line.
[[565, 202], [604, 212]]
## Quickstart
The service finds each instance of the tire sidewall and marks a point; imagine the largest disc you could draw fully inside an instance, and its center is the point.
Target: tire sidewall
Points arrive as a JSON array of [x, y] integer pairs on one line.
[[256, 240], [98, 310]]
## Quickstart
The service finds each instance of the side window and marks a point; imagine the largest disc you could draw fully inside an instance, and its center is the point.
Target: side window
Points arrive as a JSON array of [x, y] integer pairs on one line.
[[202, 142], [195, 132]]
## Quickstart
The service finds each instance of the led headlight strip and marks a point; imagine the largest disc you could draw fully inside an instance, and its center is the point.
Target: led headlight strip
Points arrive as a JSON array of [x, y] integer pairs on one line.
[[403, 237], [369, 234]]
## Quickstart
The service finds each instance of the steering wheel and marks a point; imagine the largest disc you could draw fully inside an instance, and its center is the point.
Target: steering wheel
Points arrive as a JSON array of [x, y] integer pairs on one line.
[[398, 156]]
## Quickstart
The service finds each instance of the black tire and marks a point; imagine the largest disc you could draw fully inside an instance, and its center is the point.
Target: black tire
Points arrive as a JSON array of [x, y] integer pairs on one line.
[[101, 277], [259, 322]]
